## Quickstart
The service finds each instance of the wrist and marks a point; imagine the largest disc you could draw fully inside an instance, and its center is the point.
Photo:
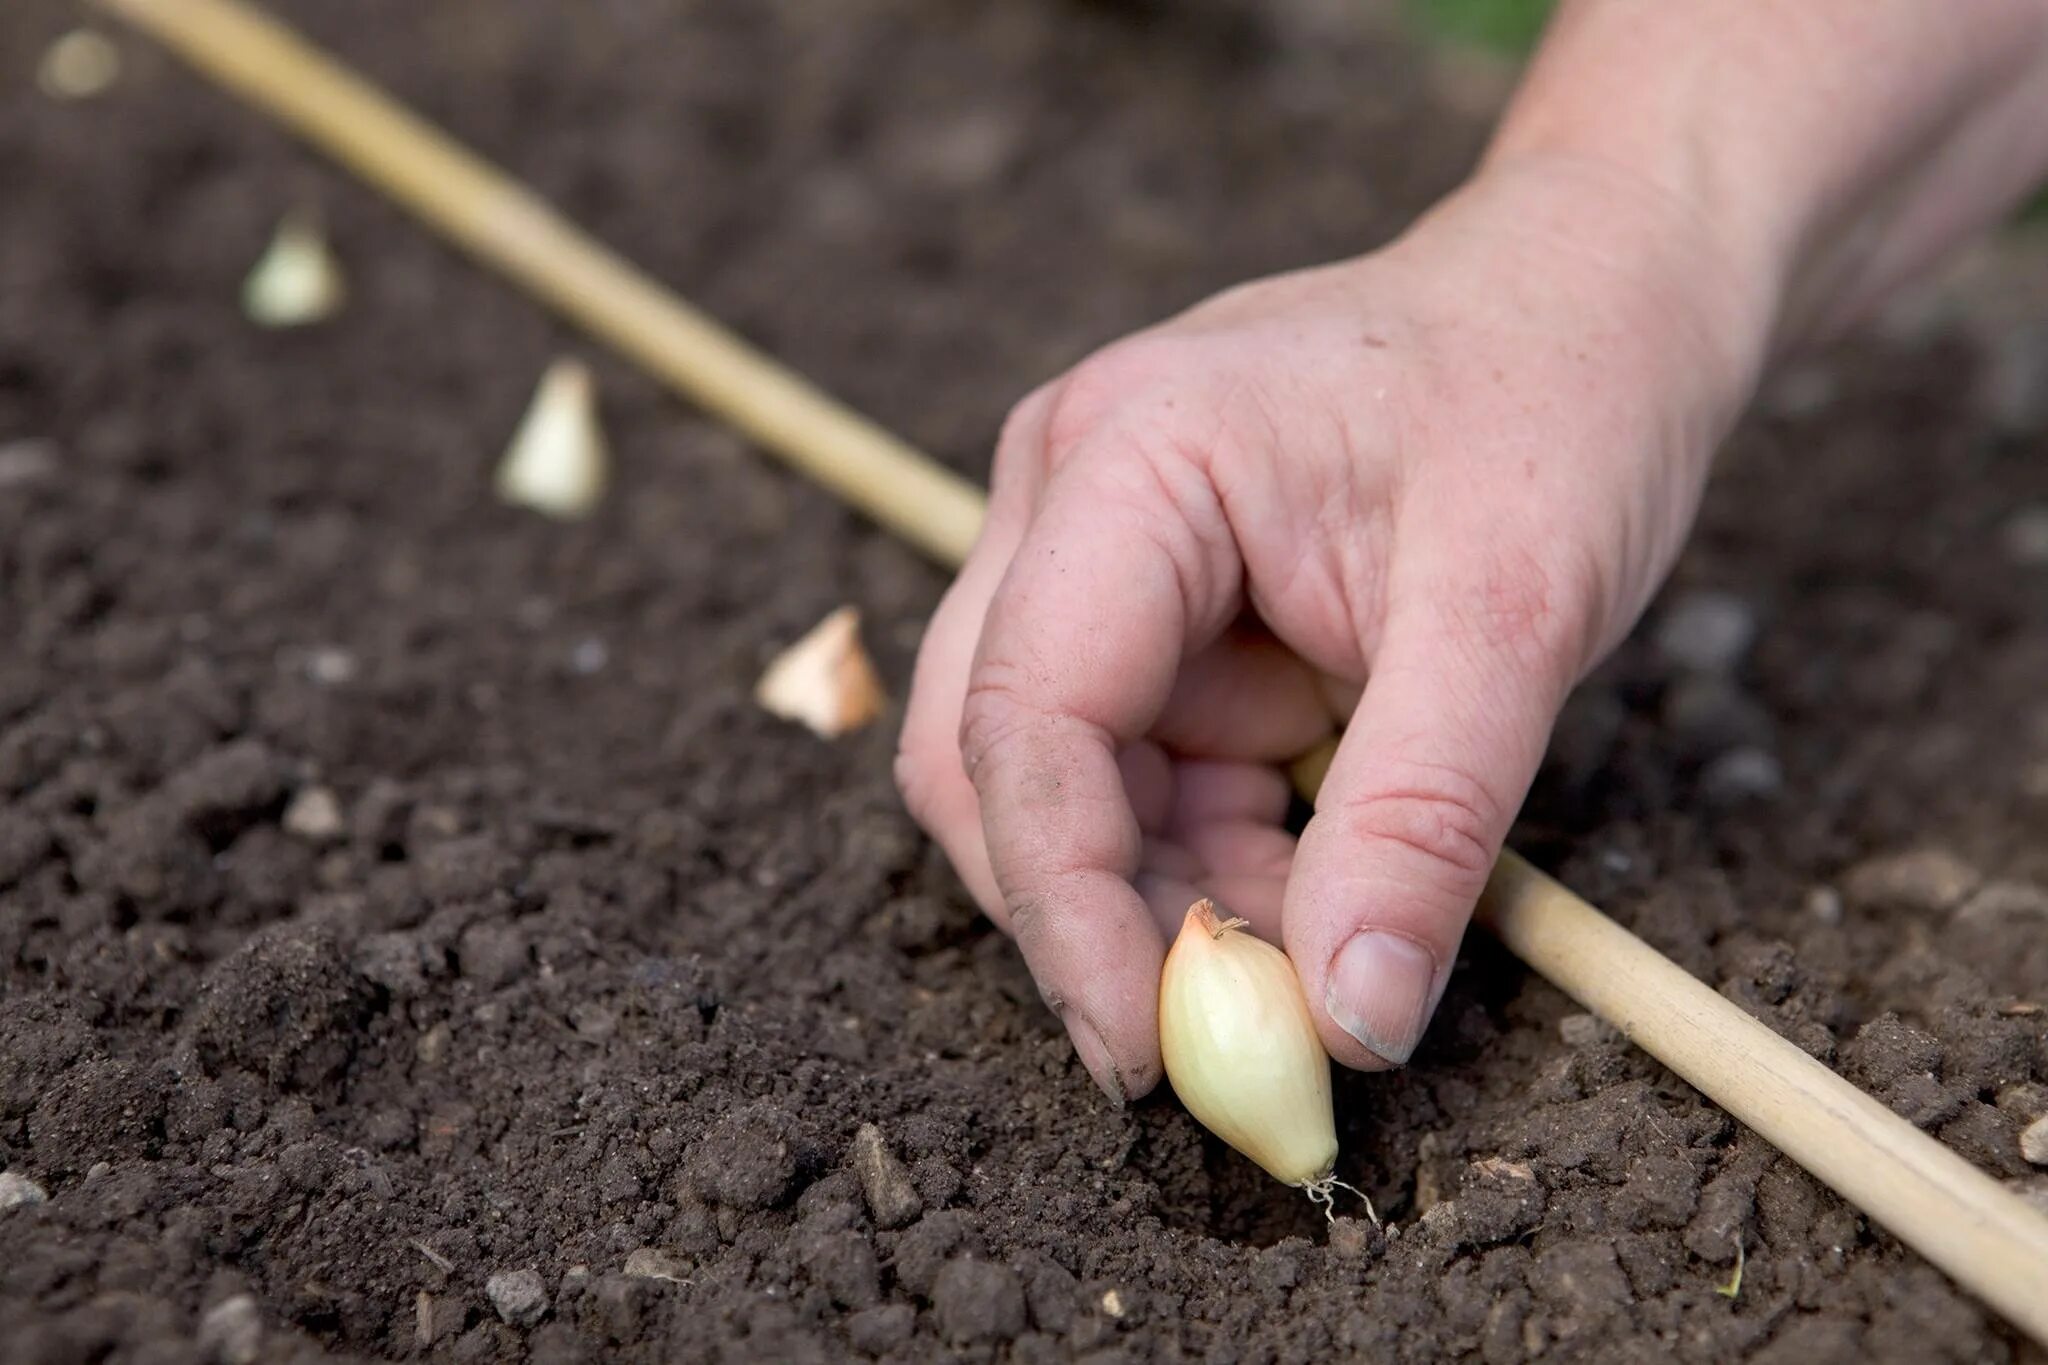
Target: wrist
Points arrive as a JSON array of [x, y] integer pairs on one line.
[[1649, 286], [1826, 147]]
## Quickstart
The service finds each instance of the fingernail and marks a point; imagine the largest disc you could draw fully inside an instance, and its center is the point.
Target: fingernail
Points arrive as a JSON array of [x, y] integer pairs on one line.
[[1094, 1056], [1381, 990]]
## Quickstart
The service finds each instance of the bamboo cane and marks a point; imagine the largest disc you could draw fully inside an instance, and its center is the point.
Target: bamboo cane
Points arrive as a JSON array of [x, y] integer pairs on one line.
[[1987, 1238], [507, 226]]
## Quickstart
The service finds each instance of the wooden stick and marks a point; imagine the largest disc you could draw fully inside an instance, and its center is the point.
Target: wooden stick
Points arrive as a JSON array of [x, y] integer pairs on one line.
[[1991, 1241], [507, 226]]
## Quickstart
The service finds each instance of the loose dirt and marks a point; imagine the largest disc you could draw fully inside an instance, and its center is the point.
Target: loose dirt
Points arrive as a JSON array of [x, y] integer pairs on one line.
[[414, 944]]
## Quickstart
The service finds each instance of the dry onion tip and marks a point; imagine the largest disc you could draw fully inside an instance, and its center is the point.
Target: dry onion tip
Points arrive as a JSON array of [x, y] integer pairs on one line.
[[558, 463], [79, 65], [1243, 1055], [825, 680], [296, 280]]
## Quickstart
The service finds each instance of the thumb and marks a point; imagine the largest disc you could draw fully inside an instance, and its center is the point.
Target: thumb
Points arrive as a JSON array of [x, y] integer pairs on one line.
[[1428, 777]]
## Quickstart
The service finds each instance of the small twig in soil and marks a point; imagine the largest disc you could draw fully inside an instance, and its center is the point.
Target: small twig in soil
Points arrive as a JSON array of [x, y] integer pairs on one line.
[[441, 1263]]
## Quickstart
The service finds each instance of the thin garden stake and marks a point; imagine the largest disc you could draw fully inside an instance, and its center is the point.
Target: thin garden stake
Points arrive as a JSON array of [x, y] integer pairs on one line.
[[1985, 1236]]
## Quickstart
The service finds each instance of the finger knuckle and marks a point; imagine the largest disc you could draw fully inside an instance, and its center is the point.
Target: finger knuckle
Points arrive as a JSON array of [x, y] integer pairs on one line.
[[994, 714], [1146, 378], [1438, 814]]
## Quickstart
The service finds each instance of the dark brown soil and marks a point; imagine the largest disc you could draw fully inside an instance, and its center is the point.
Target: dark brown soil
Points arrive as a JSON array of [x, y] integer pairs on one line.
[[558, 1044]]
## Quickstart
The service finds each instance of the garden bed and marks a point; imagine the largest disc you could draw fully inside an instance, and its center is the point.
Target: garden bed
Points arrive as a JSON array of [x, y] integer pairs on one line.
[[590, 970]]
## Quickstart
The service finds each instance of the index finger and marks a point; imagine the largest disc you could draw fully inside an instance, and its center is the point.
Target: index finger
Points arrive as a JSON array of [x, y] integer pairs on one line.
[[1109, 589]]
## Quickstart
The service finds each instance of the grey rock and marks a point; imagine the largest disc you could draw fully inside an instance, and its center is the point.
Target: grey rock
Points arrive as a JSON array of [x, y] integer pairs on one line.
[[232, 1331], [518, 1296], [1586, 1030], [2025, 537], [315, 816], [1706, 631], [26, 461], [18, 1191], [1741, 775]]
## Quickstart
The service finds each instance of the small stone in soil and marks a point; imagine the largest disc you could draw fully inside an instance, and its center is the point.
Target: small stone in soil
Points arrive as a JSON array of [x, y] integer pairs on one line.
[[232, 1331], [27, 461], [1585, 1030], [2026, 537], [2034, 1141], [1706, 631], [978, 1301], [18, 1191], [518, 1295], [652, 1263], [1926, 879], [1824, 903], [331, 666], [892, 1198], [315, 816], [1741, 775]]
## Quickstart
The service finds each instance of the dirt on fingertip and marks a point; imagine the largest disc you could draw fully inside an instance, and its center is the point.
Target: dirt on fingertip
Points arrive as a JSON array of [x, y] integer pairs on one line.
[[415, 944]]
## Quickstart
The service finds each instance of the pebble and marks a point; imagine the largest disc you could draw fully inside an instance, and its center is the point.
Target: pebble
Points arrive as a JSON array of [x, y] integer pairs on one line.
[[1926, 879], [27, 461], [315, 816], [18, 1191], [589, 656], [1745, 774], [978, 1301], [232, 1331], [1706, 631], [2025, 536], [1585, 1030], [892, 1197], [80, 65], [652, 1263], [330, 666], [2034, 1141], [1824, 903], [518, 1295]]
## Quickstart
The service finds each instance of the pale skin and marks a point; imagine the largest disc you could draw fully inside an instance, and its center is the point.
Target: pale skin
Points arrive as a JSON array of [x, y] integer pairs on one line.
[[1416, 495]]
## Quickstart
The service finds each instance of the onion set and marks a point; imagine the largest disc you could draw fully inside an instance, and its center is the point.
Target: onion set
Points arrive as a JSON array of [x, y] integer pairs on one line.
[[1243, 1055]]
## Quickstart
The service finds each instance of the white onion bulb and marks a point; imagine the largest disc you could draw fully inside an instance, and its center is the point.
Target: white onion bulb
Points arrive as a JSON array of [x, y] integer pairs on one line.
[[1242, 1051]]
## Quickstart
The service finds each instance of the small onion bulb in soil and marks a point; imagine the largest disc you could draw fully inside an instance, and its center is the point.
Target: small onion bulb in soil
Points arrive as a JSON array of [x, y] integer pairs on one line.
[[1243, 1055]]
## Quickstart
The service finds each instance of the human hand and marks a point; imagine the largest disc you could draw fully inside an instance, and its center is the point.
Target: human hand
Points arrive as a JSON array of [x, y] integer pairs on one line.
[[1420, 492]]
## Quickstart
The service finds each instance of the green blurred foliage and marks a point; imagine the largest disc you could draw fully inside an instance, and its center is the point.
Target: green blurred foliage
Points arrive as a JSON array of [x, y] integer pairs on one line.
[[1510, 27]]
